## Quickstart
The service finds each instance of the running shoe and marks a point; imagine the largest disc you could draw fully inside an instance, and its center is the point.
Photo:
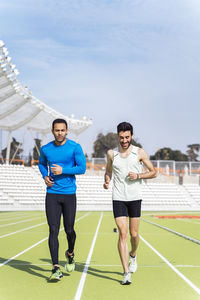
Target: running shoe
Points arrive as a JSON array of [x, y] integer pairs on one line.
[[70, 264], [132, 264], [56, 274], [126, 279]]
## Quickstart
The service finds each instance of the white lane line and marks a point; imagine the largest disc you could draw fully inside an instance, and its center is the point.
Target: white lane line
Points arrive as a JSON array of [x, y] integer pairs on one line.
[[84, 274], [41, 241], [187, 266], [173, 231], [27, 249], [27, 220], [24, 229], [13, 217], [115, 266], [189, 221], [30, 264], [168, 213], [146, 266], [189, 282], [164, 213]]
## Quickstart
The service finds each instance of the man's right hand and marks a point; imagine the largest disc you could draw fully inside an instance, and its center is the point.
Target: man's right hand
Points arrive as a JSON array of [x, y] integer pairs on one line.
[[49, 181], [106, 183]]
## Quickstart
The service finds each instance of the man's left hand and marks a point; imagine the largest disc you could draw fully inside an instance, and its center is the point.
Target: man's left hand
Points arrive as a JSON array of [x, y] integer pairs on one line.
[[56, 169], [132, 176]]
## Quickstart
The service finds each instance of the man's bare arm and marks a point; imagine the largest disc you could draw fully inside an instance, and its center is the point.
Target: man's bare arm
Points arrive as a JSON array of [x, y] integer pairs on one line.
[[108, 173], [151, 172]]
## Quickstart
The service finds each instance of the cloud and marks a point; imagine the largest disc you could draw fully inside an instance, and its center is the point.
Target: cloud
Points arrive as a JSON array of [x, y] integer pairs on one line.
[[114, 31], [112, 60]]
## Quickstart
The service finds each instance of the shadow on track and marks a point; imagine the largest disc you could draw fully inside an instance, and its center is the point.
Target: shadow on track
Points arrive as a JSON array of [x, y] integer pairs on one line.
[[35, 270], [91, 270], [27, 266]]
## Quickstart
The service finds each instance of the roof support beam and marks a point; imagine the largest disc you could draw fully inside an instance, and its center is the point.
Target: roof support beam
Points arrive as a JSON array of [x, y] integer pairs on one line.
[[24, 122], [3, 85], [8, 147], [6, 96], [43, 139], [32, 119], [13, 109]]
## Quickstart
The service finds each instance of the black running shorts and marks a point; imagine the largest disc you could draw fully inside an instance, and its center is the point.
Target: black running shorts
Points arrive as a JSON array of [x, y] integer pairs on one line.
[[131, 209]]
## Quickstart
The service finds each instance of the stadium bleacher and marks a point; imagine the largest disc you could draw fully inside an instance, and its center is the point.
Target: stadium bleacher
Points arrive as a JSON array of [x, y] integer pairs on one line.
[[22, 188], [194, 192]]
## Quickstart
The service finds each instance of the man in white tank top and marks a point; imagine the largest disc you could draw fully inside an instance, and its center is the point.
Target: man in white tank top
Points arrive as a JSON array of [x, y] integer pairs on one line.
[[125, 163]]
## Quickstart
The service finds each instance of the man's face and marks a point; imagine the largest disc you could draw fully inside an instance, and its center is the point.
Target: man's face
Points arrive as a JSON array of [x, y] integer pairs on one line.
[[125, 138], [59, 131]]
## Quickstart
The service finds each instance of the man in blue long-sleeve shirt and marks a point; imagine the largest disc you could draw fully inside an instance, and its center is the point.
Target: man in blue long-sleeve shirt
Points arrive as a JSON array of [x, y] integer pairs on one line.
[[59, 162]]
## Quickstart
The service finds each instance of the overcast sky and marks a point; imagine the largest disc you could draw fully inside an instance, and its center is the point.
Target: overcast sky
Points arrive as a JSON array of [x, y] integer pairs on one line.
[[112, 61]]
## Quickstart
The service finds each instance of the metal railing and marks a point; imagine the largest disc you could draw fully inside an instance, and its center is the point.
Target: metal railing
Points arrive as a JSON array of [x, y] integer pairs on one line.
[[164, 167]]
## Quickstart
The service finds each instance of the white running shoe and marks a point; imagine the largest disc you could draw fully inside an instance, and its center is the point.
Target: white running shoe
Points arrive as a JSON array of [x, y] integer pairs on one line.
[[132, 264], [127, 278]]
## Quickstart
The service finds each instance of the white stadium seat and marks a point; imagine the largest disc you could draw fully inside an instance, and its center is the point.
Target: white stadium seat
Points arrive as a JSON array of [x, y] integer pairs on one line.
[[23, 188]]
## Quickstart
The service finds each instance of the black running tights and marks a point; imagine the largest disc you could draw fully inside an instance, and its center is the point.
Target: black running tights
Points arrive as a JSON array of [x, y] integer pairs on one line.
[[57, 204]]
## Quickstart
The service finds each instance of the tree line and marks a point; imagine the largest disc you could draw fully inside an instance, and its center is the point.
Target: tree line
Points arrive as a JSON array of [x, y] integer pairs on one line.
[[105, 142], [16, 151], [110, 141]]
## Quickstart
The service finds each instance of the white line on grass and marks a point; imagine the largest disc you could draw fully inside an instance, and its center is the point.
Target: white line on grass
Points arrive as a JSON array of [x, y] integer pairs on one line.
[[13, 217], [27, 249], [27, 228], [173, 231], [162, 213], [168, 213], [27, 220], [190, 283], [189, 221], [41, 241], [115, 266], [146, 266], [84, 274], [187, 266]]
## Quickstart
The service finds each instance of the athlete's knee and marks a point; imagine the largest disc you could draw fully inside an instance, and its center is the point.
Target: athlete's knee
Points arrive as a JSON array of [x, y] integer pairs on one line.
[[70, 232], [54, 230], [123, 234], [134, 234]]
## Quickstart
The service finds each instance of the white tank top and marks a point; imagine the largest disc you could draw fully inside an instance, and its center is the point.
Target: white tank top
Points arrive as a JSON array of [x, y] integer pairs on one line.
[[125, 189]]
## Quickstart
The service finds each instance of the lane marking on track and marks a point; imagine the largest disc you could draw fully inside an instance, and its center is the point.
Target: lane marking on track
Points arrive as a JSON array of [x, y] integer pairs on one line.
[[163, 213], [13, 217], [167, 213], [27, 220], [147, 266], [21, 230], [115, 266], [189, 282], [41, 241], [173, 231], [187, 266], [189, 221], [84, 274]]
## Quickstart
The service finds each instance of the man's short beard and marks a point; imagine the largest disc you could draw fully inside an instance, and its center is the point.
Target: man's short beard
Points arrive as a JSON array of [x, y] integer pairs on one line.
[[59, 142], [128, 145]]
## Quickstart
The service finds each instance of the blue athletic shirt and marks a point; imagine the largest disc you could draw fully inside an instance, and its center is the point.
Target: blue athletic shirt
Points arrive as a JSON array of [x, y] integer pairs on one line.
[[70, 157]]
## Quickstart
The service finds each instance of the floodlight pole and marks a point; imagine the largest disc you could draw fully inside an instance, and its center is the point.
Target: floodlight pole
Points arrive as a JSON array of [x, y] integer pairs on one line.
[[174, 168], [43, 139], [8, 147], [77, 137]]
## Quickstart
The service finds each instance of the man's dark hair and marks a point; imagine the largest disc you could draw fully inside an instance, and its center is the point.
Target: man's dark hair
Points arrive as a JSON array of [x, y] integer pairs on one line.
[[124, 126], [59, 121]]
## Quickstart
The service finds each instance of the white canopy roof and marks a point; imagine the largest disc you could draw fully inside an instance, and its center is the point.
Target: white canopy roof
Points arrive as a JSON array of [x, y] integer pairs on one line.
[[18, 107]]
